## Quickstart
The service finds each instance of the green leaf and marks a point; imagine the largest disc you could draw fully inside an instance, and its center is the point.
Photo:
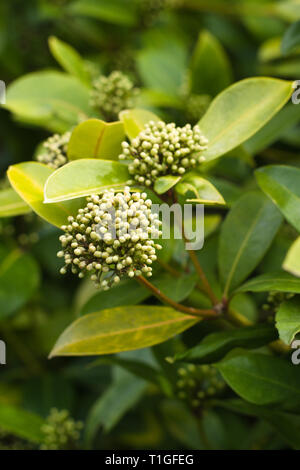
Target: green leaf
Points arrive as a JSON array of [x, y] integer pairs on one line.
[[256, 221], [84, 177], [281, 282], [216, 345], [210, 70], [19, 279], [134, 121], [292, 260], [164, 183], [289, 10], [169, 57], [96, 139], [53, 100], [281, 184], [261, 379], [121, 329], [128, 292], [288, 319], [11, 204], [240, 111], [21, 423], [291, 38], [118, 12], [274, 129], [198, 189], [118, 399], [69, 59], [28, 180]]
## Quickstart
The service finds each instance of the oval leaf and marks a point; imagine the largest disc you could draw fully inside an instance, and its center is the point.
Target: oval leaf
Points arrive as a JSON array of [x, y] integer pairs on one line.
[[121, 329], [288, 319], [11, 204], [28, 180], [216, 345], [282, 184], [292, 260], [210, 67], [54, 100], [84, 177], [200, 190], [164, 183], [281, 282], [291, 38], [255, 220], [96, 139], [69, 59], [21, 423], [240, 111], [261, 379]]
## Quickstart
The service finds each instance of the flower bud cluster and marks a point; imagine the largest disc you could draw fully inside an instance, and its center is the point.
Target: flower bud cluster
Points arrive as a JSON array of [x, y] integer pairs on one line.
[[60, 431], [110, 238], [196, 383], [54, 152], [112, 94], [163, 149]]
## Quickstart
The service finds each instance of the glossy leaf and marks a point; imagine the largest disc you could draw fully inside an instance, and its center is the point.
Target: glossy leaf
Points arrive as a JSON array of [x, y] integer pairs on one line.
[[54, 100], [240, 111], [274, 129], [198, 189], [11, 204], [21, 423], [164, 183], [216, 345], [210, 70], [28, 180], [292, 260], [288, 319], [281, 184], [84, 177], [256, 221], [261, 379], [96, 139], [121, 329], [69, 59], [281, 282], [19, 278], [134, 120]]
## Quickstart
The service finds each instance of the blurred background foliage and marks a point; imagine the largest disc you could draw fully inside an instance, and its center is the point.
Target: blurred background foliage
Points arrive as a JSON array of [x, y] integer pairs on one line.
[[181, 53]]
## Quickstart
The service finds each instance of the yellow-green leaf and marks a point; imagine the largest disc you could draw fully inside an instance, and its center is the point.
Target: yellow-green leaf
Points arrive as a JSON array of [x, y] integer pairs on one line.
[[84, 177], [96, 139], [292, 260], [11, 204], [240, 111], [121, 329], [28, 180]]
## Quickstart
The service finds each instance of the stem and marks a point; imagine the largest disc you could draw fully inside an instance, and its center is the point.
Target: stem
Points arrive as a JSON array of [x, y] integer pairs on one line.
[[203, 313], [203, 278]]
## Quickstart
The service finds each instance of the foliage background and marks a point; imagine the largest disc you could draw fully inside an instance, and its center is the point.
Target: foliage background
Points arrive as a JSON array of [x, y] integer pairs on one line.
[[130, 400]]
